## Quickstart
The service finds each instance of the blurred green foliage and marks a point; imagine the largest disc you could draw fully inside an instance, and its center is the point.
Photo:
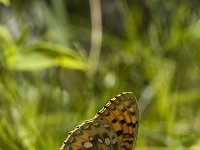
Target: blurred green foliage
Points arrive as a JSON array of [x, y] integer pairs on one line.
[[149, 47]]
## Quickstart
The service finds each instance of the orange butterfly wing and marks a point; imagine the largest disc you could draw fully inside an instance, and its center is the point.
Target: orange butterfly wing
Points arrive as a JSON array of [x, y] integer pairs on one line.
[[114, 127]]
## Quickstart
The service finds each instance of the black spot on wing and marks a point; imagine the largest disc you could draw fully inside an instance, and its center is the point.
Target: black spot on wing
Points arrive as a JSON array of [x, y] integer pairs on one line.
[[119, 132]]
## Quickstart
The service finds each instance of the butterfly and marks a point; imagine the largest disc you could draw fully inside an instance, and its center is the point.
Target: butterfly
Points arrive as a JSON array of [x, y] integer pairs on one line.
[[114, 127]]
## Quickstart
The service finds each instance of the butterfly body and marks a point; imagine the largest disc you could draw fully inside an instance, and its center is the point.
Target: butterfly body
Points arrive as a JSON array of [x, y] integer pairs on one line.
[[114, 127]]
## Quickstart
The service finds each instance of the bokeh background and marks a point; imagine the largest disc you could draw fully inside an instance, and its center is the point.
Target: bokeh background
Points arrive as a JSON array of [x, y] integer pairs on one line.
[[62, 60]]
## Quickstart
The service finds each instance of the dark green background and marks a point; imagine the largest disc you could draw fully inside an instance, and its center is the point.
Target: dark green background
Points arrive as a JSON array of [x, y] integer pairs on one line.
[[49, 83]]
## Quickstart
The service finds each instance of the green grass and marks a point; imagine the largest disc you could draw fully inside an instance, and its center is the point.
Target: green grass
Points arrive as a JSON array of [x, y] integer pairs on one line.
[[48, 85]]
